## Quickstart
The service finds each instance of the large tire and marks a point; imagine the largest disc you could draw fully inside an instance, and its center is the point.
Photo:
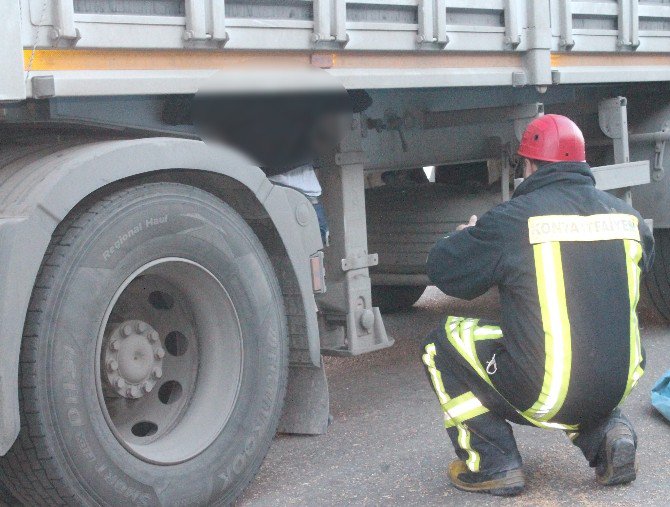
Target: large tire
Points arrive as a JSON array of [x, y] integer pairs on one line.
[[395, 298], [116, 278], [657, 281], [6, 498]]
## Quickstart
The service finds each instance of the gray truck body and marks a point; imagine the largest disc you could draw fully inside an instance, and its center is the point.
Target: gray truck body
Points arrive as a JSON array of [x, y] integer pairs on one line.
[[452, 82], [444, 43]]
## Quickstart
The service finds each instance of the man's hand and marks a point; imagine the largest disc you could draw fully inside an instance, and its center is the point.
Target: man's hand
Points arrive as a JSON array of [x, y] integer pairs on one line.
[[471, 223]]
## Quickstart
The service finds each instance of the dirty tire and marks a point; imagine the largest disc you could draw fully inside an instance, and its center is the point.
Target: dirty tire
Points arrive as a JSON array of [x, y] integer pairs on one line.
[[395, 298], [6, 498], [66, 452], [657, 280]]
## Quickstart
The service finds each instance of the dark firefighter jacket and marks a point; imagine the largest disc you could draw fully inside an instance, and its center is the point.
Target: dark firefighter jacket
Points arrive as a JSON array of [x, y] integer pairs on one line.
[[566, 258]]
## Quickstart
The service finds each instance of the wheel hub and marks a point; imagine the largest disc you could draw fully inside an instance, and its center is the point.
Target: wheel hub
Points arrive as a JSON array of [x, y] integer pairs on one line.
[[133, 359], [171, 342]]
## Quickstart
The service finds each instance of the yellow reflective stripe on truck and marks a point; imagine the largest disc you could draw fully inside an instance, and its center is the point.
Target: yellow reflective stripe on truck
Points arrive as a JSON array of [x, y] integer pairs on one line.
[[179, 59], [164, 59], [609, 60]]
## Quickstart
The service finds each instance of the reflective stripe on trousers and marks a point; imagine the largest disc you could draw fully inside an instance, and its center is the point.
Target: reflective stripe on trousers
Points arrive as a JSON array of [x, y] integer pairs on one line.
[[462, 334], [456, 410]]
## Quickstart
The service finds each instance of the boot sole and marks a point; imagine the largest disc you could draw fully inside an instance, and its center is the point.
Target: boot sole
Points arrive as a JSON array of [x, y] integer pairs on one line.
[[511, 485], [511, 491], [621, 463]]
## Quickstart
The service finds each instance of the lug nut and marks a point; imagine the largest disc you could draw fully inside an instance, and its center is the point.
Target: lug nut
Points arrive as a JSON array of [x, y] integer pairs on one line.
[[158, 373], [153, 336], [141, 327], [147, 387], [160, 353], [127, 330], [120, 383], [115, 345], [135, 392], [113, 365]]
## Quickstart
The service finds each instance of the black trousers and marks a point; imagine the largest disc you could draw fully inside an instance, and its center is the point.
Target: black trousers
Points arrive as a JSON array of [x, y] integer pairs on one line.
[[477, 417]]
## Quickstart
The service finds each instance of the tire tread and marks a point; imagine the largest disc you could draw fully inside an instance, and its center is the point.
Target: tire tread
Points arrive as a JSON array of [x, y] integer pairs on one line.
[[395, 298], [28, 471], [657, 280]]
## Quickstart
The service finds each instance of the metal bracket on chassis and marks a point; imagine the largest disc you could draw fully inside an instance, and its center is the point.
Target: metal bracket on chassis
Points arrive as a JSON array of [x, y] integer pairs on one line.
[[659, 139], [624, 174], [659, 151], [349, 325]]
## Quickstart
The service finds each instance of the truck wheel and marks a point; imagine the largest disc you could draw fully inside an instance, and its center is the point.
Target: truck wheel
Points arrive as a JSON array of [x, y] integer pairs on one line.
[[6, 498], [394, 298], [154, 358], [657, 281]]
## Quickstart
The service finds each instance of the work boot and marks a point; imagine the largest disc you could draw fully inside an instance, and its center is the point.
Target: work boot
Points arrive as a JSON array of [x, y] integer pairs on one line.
[[508, 483], [616, 458]]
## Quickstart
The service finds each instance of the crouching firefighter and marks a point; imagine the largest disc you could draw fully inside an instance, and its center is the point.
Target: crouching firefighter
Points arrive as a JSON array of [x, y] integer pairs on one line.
[[566, 259]]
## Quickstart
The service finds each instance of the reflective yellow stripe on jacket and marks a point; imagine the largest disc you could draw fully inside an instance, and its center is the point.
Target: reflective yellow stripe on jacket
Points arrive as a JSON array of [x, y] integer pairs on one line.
[[556, 325], [633, 255]]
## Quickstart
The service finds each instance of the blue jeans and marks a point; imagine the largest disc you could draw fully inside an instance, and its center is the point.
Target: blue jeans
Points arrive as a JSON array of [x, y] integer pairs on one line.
[[323, 221]]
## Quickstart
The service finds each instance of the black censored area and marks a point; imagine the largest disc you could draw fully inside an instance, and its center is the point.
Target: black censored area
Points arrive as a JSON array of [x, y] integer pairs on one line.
[[277, 130], [281, 119]]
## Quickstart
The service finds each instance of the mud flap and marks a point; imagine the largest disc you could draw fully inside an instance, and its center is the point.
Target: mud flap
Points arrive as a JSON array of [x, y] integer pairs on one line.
[[306, 408]]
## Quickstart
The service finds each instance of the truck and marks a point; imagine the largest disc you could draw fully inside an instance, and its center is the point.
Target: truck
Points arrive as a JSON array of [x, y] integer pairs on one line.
[[164, 307]]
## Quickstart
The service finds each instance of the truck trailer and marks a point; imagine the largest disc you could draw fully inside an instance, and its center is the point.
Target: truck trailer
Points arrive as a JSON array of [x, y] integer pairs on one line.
[[164, 307]]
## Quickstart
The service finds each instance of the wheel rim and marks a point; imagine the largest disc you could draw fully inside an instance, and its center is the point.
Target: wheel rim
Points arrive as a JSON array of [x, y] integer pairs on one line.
[[169, 361]]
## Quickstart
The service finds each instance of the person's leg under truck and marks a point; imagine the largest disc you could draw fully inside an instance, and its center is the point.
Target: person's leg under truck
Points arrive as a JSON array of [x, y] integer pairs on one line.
[[474, 413]]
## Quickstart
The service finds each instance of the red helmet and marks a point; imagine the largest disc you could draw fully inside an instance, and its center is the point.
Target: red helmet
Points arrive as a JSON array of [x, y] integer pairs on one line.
[[553, 138]]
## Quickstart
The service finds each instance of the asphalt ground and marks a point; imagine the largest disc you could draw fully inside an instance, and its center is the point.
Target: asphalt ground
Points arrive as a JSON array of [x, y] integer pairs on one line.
[[387, 445]]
